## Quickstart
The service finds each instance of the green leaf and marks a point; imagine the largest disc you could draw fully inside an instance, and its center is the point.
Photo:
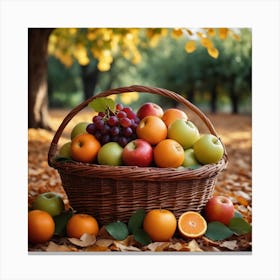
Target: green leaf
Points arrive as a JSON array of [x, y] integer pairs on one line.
[[218, 231], [136, 220], [237, 214], [117, 230], [239, 226], [61, 221], [102, 104], [62, 159], [142, 237]]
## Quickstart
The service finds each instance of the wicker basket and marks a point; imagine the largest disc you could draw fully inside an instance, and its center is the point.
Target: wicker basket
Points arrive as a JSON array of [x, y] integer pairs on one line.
[[114, 193]]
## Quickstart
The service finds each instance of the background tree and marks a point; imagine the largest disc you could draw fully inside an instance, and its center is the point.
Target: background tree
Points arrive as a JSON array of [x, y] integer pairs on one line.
[[95, 50]]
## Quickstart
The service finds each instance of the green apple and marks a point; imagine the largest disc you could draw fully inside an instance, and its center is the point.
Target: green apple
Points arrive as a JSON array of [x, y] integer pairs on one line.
[[65, 150], [190, 159], [79, 129], [208, 149], [184, 132], [110, 154], [49, 202]]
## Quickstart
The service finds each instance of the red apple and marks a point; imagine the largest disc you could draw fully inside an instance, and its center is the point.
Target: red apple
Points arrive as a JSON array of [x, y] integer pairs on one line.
[[138, 153], [149, 109], [219, 209]]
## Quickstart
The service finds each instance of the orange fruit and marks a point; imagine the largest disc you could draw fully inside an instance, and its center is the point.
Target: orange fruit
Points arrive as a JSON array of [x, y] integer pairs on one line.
[[169, 153], [160, 224], [191, 224], [41, 226], [152, 129], [84, 148], [172, 114], [79, 224]]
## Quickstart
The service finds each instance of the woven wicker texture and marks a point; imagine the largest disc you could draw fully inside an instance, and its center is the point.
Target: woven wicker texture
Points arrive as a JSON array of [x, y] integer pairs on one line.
[[114, 193]]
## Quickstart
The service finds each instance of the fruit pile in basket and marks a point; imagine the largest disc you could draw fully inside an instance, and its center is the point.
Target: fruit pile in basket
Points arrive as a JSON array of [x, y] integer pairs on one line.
[[149, 137]]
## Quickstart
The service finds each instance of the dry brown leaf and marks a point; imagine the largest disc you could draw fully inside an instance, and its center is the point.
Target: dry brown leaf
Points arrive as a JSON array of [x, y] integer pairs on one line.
[[231, 245], [53, 247], [194, 247], [179, 246], [97, 248], [158, 246], [124, 248], [104, 242], [85, 240]]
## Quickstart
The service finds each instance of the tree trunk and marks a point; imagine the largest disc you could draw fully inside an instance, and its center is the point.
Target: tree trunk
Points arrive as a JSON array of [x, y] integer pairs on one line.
[[37, 77], [234, 101], [214, 97], [89, 78]]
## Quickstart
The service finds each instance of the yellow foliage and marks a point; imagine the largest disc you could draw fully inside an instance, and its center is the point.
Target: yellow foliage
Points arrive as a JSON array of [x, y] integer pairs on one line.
[[129, 97], [212, 51], [190, 46], [206, 42], [223, 33], [69, 44]]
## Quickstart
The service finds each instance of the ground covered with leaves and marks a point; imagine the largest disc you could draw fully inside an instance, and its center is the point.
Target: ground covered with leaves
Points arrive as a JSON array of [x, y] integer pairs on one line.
[[235, 182]]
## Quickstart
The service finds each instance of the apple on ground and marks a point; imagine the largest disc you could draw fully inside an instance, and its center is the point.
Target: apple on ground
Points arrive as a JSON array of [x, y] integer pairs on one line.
[[49, 202], [149, 109], [184, 132], [110, 154], [138, 153], [78, 129], [219, 209], [208, 149], [65, 150], [190, 159]]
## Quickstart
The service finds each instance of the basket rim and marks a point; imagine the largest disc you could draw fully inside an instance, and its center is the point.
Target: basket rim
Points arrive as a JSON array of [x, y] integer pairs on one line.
[[137, 173]]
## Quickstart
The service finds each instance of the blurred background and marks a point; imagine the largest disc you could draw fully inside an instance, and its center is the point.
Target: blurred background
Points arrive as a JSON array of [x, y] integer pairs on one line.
[[83, 62]]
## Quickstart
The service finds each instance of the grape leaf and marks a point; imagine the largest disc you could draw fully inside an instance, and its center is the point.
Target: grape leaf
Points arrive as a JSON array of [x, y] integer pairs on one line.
[[218, 231], [239, 226], [117, 230], [102, 104], [136, 220]]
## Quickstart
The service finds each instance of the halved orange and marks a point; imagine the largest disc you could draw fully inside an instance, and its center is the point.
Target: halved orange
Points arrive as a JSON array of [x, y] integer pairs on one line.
[[191, 224]]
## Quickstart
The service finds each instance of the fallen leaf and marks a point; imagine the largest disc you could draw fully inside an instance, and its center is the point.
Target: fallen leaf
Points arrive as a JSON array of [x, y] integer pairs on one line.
[[158, 246], [194, 247], [231, 245], [104, 242], [124, 248], [97, 248], [179, 246], [85, 240], [53, 247]]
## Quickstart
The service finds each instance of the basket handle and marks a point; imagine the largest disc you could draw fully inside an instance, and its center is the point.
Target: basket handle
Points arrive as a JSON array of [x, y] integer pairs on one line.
[[137, 88]]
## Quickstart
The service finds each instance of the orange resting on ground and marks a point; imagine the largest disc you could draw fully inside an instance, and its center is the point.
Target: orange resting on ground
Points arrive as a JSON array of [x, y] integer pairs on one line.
[[172, 114], [79, 224], [169, 153], [191, 224], [160, 224], [41, 226]]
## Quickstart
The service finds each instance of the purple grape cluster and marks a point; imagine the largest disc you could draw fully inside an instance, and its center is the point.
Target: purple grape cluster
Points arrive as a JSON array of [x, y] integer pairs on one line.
[[118, 126]]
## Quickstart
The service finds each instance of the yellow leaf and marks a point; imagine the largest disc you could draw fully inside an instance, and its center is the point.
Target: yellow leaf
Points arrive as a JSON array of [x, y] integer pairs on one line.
[[223, 33], [206, 42], [177, 32], [211, 32], [103, 66], [213, 52], [190, 46]]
